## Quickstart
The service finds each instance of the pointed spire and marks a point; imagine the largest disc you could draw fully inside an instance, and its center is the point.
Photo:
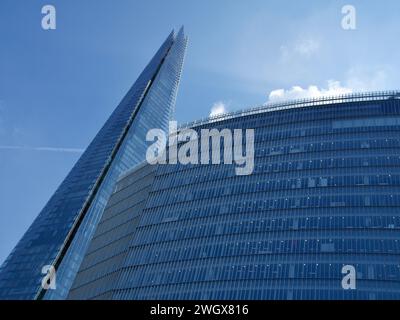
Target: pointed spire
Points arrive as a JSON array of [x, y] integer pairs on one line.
[[172, 35], [181, 33]]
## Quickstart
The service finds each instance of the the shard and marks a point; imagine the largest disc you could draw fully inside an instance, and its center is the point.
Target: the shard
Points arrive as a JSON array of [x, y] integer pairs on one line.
[[60, 235]]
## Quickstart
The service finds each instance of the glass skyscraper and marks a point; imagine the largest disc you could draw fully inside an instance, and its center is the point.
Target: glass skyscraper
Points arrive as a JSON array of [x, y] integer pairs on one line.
[[61, 233], [325, 193]]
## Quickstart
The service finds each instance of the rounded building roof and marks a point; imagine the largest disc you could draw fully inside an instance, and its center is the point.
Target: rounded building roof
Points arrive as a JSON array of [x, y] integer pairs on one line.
[[301, 103]]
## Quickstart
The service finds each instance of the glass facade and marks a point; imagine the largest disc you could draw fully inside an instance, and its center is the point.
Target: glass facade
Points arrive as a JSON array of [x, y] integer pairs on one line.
[[60, 235], [108, 248], [325, 193]]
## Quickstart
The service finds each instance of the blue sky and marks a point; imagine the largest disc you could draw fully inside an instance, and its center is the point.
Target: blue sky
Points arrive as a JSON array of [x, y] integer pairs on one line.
[[58, 87]]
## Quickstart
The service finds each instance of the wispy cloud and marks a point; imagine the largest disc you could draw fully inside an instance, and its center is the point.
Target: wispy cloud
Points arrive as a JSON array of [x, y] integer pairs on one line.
[[369, 79], [16, 131], [49, 149], [218, 108], [301, 48], [307, 47]]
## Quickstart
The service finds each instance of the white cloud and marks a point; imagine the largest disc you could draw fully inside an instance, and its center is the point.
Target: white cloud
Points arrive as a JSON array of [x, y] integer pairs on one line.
[[217, 109], [297, 92], [51, 149], [357, 80]]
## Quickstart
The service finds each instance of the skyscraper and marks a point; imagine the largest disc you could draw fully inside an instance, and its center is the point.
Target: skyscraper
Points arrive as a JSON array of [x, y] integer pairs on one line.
[[60, 234], [324, 195]]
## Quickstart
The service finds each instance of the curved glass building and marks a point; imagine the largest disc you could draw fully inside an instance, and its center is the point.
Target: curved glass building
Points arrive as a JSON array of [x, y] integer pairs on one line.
[[324, 194]]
